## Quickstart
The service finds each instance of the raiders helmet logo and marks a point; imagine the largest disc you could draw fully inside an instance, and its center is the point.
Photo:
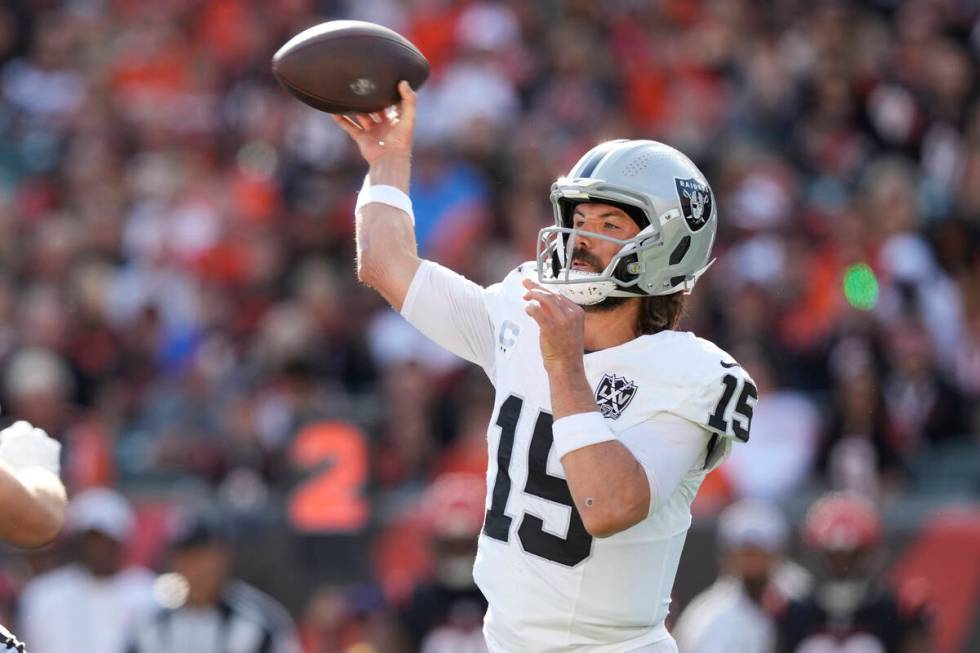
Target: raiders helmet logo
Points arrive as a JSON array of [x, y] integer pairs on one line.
[[614, 394], [695, 200]]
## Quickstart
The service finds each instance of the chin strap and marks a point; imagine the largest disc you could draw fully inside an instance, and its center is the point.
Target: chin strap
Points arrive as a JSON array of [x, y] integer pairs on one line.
[[688, 284], [583, 294]]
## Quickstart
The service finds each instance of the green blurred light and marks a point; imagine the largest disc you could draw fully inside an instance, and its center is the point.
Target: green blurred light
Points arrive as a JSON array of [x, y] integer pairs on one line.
[[861, 287]]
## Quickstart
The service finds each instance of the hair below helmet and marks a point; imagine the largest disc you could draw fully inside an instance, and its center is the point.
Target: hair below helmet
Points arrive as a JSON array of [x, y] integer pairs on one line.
[[668, 197]]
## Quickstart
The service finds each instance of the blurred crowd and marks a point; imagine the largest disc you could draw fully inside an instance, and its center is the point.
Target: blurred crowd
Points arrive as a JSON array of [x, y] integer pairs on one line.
[[178, 303]]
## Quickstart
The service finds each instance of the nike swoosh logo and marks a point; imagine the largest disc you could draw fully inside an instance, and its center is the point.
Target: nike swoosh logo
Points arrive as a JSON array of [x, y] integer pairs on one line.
[[724, 364]]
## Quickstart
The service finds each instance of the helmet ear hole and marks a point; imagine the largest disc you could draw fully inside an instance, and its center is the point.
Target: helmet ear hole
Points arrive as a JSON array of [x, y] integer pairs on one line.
[[628, 269], [678, 254]]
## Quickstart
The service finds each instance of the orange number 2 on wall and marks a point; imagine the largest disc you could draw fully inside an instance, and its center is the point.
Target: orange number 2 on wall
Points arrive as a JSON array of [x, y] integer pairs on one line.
[[331, 501]]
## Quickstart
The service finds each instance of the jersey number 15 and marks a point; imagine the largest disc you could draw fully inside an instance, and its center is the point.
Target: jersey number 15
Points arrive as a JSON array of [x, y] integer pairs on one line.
[[570, 550], [741, 419]]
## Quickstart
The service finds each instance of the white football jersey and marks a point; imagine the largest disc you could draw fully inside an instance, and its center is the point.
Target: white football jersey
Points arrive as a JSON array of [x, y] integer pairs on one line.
[[552, 586]]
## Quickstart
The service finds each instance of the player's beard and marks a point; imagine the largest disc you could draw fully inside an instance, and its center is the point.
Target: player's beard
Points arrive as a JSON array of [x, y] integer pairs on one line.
[[607, 304]]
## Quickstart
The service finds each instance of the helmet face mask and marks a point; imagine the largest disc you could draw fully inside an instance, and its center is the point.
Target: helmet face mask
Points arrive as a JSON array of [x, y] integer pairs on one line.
[[672, 248], [556, 249]]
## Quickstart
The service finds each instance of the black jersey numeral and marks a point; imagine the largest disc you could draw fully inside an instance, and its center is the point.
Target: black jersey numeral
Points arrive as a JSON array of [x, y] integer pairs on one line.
[[742, 415], [570, 550], [496, 524]]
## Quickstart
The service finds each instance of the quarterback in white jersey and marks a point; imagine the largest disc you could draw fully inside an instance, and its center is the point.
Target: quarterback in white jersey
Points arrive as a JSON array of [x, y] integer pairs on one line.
[[606, 418]]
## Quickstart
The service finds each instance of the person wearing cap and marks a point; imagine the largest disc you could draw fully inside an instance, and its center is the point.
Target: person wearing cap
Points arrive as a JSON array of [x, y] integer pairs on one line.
[[32, 497], [732, 614], [202, 608], [92, 603]]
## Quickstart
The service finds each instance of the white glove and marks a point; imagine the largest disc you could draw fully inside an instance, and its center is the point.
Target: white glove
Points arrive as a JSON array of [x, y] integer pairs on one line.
[[23, 446]]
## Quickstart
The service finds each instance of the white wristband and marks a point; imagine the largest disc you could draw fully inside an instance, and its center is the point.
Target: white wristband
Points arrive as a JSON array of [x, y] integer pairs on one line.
[[23, 446], [383, 194], [580, 430]]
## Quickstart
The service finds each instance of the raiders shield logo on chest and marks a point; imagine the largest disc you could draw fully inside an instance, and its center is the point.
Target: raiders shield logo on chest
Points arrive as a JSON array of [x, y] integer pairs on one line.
[[613, 394]]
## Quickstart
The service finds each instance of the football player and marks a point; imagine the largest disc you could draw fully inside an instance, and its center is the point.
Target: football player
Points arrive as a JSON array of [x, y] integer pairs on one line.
[[32, 497], [606, 419], [851, 609]]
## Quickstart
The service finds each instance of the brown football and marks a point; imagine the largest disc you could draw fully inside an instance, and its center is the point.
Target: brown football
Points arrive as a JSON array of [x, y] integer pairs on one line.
[[346, 66]]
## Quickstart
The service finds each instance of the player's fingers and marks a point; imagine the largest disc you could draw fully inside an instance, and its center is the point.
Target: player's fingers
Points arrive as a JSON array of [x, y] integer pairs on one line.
[[567, 316], [568, 306], [561, 308], [546, 298], [535, 306], [391, 115], [348, 124], [533, 309], [539, 315], [407, 112], [406, 93], [548, 306], [533, 285], [362, 120], [367, 121]]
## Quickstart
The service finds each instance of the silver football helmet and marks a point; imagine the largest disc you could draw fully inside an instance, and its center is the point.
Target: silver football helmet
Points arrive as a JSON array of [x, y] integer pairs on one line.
[[661, 189]]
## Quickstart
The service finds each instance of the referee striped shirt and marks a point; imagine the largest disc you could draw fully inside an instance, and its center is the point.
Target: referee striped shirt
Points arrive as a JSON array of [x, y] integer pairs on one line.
[[244, 621]]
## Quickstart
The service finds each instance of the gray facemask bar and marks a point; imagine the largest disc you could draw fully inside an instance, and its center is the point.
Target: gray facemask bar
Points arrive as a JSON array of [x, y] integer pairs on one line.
[[550, 245]]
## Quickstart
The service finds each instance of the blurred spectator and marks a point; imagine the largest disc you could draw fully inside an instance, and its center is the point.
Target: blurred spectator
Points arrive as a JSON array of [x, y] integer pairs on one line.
[[44, 85], [859, 449], [95, 602], [850, 605], [917, 285], [735, 613], [445, 614], [202, 609], [923, 406], [38, 385], [355, 618]]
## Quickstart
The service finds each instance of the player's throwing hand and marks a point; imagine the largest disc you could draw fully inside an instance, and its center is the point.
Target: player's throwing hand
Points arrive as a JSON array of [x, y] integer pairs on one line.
[[562, 324], [384, 132]]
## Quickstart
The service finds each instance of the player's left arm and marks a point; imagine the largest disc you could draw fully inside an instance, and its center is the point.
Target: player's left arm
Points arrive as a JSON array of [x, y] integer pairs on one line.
[[619, 482], [614, 482]]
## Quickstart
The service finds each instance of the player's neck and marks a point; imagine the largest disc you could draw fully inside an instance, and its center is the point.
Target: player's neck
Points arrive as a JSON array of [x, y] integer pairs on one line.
[[604, 329]]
